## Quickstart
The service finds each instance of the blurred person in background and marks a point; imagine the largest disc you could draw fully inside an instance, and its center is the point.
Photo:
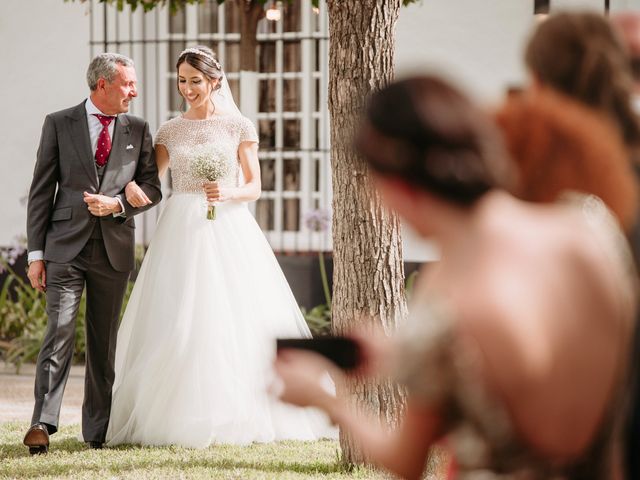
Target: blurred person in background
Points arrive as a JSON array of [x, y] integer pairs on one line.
[[560, 146], [517, 342], [581, 55]]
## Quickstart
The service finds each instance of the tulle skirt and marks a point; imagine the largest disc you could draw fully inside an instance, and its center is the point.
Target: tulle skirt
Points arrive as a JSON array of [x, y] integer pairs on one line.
[[195, 346]]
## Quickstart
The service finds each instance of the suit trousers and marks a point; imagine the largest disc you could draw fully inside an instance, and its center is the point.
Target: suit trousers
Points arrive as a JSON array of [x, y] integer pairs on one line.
[[105, 292]]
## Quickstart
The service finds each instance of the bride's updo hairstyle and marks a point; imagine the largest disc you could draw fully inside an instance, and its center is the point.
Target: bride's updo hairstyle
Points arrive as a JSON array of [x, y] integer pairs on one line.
[[204, 60], [426, 133]]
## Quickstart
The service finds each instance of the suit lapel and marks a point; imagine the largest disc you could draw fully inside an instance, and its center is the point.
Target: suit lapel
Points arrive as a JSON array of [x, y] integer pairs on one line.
[[121, 134], [82, 142]]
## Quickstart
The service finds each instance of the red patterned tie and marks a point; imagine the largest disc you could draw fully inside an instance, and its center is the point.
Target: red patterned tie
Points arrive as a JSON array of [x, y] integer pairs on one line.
[[104, 140]]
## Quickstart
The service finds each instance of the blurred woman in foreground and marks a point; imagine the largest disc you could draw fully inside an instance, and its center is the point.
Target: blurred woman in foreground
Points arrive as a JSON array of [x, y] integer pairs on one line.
[[517, 341]]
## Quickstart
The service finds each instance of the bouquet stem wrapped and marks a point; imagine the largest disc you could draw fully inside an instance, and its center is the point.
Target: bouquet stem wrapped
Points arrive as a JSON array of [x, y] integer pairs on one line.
[[211, 211]]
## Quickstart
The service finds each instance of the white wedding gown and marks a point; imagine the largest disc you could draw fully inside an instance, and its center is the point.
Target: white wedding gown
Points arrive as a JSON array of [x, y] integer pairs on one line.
[[195, 346]]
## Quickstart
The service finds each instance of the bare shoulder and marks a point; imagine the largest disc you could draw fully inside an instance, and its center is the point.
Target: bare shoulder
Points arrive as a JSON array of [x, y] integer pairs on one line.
[[599, 254], [547, 268], [556, 282]]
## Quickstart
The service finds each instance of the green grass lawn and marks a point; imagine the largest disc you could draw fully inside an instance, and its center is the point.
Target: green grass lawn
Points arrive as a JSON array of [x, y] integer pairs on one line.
[[70, 459]]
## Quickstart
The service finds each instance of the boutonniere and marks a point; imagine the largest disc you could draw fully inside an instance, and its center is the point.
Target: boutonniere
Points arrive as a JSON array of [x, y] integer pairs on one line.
[[129, 147]]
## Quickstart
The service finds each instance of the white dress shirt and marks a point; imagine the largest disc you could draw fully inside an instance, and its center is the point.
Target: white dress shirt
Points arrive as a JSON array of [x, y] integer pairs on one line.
[[95, 127]]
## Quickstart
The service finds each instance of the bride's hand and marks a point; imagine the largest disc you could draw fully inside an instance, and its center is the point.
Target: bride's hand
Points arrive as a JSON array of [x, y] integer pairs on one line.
[[217, 193], [135, 195]]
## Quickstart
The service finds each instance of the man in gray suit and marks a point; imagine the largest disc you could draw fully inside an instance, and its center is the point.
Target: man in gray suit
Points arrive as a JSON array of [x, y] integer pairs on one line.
[[80, 232]]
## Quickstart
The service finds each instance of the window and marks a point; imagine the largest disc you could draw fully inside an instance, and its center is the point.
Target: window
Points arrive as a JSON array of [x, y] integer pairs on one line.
[[291, 96]]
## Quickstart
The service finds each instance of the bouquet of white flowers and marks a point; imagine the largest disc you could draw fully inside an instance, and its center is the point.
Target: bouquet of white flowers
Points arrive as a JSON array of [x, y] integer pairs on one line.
[[209, 164]]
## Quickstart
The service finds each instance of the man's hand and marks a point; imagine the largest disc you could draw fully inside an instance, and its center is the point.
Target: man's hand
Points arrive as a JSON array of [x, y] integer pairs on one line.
[[101, 205], [37, 275], [136, 196]]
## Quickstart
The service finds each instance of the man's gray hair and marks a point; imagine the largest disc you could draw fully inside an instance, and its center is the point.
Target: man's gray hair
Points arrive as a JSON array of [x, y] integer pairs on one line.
[[103, 65]]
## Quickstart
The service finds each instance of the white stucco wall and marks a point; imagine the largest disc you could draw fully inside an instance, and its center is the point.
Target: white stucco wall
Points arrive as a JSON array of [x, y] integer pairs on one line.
[[558, 5], [622, 5], [44, 54], [476, 44]]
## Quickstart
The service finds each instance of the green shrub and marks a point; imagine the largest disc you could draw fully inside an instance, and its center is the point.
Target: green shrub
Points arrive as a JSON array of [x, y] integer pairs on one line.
[[318, 319], [23, 319]]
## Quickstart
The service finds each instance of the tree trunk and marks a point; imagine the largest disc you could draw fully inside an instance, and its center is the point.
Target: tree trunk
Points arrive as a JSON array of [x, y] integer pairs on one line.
[[252, 13], [368, 275]]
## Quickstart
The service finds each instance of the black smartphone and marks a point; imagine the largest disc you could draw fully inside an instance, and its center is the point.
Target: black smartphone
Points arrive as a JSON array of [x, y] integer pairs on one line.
[[343, 351]]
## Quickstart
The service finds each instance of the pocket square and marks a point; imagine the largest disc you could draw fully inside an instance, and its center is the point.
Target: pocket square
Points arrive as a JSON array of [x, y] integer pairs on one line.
[[129, 147]]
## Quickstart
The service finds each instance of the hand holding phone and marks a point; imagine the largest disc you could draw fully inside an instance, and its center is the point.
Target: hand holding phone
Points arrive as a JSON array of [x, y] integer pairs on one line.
[[342, 351]]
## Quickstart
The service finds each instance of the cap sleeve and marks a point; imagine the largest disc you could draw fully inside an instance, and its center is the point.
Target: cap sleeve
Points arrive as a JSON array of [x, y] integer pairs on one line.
[[248, 131], [162, 135]]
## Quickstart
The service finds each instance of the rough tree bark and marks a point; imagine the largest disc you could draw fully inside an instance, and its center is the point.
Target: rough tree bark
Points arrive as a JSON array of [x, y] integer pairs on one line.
[[252, 13], [368, 277]]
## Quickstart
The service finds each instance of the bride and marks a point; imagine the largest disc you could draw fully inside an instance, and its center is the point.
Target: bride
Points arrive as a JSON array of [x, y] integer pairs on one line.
[[195, 346]]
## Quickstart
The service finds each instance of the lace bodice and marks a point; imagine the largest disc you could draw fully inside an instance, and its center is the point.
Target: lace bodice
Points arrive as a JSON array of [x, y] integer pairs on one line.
[[183, 138]]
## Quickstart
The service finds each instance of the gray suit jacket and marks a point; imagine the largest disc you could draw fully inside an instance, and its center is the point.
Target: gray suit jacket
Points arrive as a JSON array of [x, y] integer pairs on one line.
[[58, 221]]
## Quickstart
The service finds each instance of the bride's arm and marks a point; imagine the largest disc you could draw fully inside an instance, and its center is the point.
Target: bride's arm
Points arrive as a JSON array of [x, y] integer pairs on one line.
[[250, 191], [162, 160], [134, 194]]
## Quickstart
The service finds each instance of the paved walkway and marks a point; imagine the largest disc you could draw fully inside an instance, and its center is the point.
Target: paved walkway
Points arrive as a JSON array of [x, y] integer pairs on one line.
[[16, 395]]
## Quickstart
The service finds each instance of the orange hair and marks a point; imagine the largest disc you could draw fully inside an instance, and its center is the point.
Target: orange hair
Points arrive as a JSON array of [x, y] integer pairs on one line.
[[559, 145]]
